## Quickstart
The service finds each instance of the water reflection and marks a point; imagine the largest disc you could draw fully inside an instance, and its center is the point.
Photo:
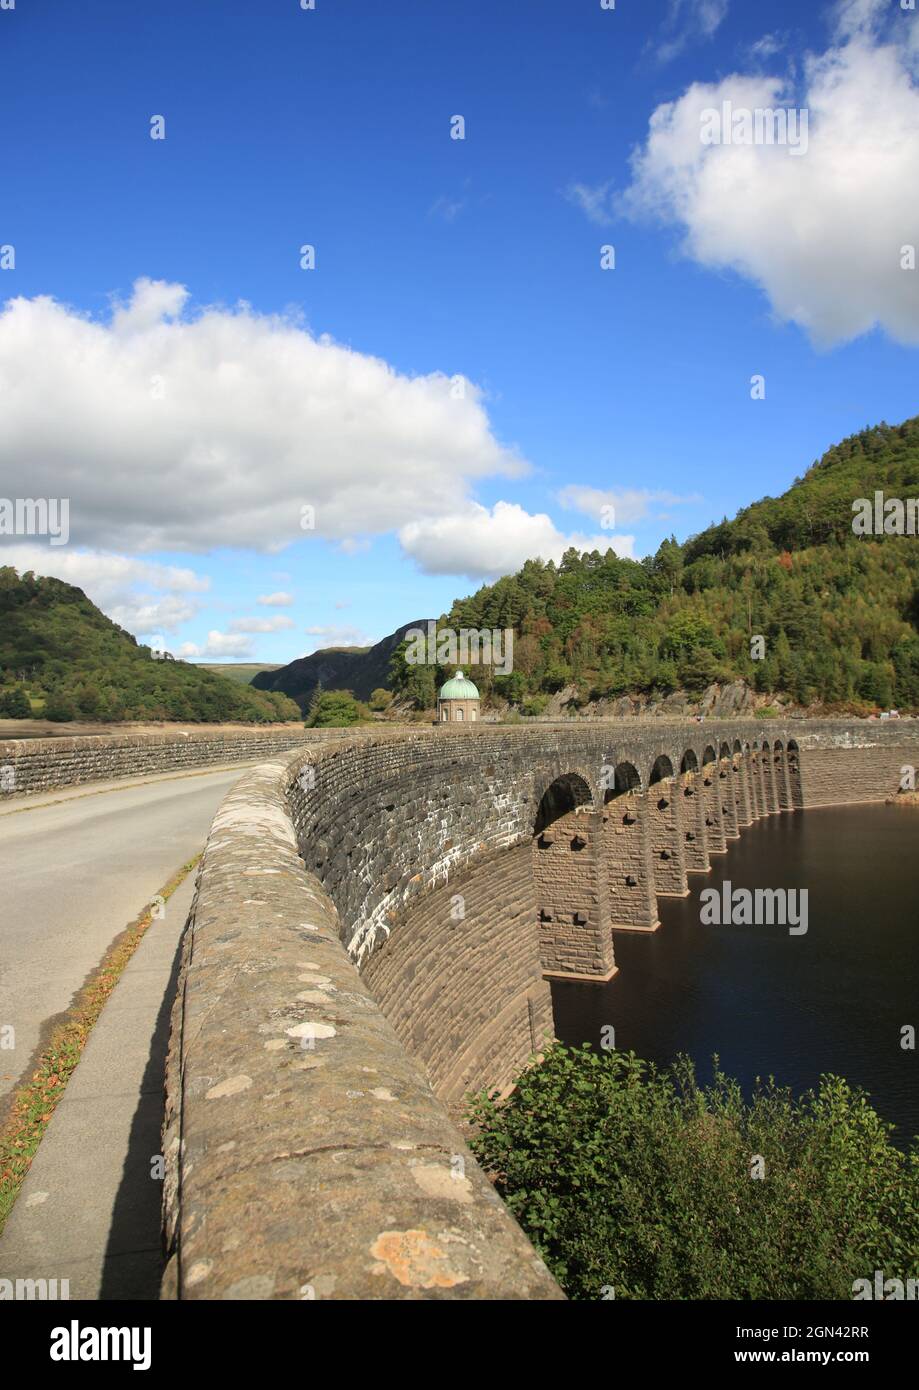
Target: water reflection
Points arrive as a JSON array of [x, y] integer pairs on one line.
[[768, 1002]]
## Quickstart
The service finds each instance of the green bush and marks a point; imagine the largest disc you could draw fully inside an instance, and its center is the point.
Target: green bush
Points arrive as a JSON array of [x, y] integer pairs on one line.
[[380, 698], [636, 1179], [15, 703], [60, 708], [334, 709]]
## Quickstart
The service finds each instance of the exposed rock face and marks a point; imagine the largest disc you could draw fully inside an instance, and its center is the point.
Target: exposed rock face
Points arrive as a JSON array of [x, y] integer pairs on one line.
[[717, 702]]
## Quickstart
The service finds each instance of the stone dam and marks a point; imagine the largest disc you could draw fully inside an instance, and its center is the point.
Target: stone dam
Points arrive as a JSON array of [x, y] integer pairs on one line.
[[376, 921]]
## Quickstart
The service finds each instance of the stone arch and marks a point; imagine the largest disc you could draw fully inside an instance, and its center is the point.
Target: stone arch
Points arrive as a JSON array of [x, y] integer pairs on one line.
[[741, 788], [668, 853], [793, 766], [711, 796], [661, 769], [627, 844], [565, 793], [727, 802], [780, 776], [570, 882], [695, 840], [626, 778]]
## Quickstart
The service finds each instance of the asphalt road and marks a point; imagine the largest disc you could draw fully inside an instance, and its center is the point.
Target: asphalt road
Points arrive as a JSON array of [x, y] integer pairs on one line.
[[74, 872]]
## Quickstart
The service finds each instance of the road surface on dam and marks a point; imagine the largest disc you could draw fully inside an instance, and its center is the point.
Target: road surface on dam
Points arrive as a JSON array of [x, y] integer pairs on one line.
[[77, 868]]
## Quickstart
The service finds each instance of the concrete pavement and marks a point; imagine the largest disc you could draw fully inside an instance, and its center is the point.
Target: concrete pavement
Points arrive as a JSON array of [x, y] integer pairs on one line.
[[89, 1209], [74, 871], [78, 866]]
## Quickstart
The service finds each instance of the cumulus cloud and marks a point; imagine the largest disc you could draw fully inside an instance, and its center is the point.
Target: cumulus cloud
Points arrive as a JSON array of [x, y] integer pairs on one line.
[[823, 232], [276, 624], [180, 430], [628, 504], [218, 645], [278, 600], [141, 596], [483, 543]]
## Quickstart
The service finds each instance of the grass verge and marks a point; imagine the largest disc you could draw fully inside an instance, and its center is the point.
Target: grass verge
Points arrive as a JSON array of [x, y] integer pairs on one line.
[[24, 1124]]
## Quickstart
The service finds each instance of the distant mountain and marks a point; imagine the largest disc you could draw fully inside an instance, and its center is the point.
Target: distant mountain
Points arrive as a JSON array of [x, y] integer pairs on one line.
[[61, 658], [358, 669], [240, 671]]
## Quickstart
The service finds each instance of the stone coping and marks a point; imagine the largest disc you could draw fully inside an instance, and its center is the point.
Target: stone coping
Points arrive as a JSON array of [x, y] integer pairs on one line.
[[306, 1154]]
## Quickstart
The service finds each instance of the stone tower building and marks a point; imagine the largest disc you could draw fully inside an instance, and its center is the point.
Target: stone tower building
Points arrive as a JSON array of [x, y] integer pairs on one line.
[[458, 701]]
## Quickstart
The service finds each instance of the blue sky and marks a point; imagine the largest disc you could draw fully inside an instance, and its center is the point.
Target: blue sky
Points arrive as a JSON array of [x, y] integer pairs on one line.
[[476, 259]]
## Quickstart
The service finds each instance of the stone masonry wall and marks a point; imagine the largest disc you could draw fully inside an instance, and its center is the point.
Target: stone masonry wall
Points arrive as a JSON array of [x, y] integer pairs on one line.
[[45, 764], [460, 980], [831, 776]]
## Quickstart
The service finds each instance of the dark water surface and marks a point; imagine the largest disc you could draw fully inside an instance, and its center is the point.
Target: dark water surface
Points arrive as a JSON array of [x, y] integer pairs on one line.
[[833, 1000]]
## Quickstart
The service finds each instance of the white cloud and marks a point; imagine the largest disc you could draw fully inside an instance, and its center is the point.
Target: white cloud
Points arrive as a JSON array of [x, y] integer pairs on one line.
[[218, 644], [279, 600], [859, 16], [276, 624], [179, 431], [139, 595], [821, 232], [629, 504], [594, 200], [485, 544], [766, 47], [687, 22]]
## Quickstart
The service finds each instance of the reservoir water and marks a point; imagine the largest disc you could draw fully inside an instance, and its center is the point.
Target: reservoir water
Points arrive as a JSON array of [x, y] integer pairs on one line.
[[768, 1003]]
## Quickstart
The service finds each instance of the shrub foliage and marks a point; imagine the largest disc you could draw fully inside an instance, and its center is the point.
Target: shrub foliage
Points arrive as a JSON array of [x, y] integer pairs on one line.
[[638, 1180]]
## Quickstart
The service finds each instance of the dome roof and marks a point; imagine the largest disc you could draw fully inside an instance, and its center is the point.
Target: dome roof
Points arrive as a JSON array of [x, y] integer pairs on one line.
[[458, 688]]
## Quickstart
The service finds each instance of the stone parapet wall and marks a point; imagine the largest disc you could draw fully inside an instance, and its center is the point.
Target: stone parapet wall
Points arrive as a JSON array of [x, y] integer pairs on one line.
[[46, 764], [307, 1155]]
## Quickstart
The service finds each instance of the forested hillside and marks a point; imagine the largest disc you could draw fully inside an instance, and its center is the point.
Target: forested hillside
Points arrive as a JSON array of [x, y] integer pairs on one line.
[[838, 612], [61, 659]]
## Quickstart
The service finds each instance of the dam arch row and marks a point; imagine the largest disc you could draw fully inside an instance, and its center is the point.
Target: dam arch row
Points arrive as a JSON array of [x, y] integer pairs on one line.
[[470, 868]]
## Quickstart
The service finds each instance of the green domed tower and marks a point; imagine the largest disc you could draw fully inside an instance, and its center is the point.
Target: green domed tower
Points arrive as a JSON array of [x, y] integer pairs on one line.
[[458, 701]]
